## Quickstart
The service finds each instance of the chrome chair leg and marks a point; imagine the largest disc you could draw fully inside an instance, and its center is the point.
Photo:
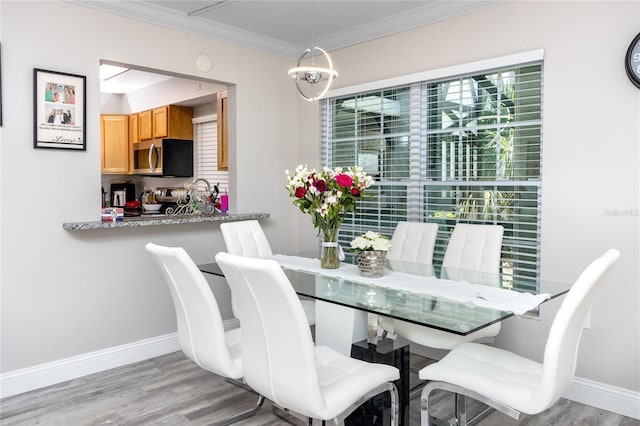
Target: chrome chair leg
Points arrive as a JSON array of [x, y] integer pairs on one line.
[[244, 414], [480, 416], [460, 402], [462, 417], [460, 409], [387, 387], [395, 403], [291, 417], [425, 419]]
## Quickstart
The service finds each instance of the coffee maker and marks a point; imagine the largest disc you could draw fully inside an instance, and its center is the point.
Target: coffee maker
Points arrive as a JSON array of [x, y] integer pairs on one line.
[[121, 192]]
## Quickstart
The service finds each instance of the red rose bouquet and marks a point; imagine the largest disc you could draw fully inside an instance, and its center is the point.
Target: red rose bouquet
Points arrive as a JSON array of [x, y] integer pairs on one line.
[[327, 195]]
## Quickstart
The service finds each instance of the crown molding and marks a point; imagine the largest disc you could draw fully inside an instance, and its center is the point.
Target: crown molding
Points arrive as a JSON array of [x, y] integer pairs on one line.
[[191, 24], [411, 19], [414, 18]]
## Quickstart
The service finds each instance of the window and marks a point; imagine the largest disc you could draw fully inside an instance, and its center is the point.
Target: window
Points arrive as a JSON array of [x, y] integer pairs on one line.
[[206, 141], [447, 150]]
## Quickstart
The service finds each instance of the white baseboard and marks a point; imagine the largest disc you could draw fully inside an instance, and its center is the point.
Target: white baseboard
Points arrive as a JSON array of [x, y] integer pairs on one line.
[[50, 373], [39, 376], [606, 397], [600, 395]]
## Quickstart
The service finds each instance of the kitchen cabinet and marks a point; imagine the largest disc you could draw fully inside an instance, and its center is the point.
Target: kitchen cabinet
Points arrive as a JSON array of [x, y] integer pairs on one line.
[[171, 121], [134, 138], [144, 125], [114, 144], [223, 134], [160, 122]]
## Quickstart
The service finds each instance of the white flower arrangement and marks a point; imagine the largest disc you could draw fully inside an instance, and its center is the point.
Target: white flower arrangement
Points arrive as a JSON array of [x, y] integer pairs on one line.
[[370, 241]]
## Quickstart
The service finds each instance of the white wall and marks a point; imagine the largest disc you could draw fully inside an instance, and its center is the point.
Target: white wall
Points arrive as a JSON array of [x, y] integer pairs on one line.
[[69, 293], [590, 151]]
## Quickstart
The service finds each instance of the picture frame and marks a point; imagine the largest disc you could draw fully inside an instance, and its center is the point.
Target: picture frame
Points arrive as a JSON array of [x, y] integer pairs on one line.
[[59, 110], [0, 84]]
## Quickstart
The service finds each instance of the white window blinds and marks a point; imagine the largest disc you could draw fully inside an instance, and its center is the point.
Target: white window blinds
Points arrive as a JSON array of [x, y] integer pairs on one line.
[[206, 139], [459, 149]]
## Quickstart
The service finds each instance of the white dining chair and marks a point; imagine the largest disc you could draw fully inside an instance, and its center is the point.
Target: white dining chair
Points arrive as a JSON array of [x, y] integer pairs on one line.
[[474, 247], [471, 247], [411, 251], [413, 242], [511, 383], [200, 328], [280, 359], [412, 245], [247, 238]]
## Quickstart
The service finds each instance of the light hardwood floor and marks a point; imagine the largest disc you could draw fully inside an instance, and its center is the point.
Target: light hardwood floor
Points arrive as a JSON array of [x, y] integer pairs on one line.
[[172, 390]]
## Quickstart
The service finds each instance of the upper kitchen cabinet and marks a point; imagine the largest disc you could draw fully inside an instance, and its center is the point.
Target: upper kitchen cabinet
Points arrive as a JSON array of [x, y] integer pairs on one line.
[[223, 136], [114, 144], [134, 137], [171, 121], [160, 122], [144, 126]]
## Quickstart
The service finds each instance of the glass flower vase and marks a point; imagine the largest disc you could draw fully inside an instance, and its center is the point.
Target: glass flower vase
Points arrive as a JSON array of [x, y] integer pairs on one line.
[[329, 250]]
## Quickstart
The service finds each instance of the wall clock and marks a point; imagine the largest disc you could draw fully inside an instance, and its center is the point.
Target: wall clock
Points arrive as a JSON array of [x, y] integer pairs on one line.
[[632, 61]]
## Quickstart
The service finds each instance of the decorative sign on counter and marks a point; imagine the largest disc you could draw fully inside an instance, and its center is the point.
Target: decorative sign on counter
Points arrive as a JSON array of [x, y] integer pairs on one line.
[[197, 201], [112, 214]]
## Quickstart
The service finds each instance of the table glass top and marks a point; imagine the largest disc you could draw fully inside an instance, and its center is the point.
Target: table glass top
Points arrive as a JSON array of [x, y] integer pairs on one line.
[[415, 307]]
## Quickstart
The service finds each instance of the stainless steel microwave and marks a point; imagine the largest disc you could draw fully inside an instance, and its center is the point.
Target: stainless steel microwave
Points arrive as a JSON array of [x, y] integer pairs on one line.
[[163, 157]]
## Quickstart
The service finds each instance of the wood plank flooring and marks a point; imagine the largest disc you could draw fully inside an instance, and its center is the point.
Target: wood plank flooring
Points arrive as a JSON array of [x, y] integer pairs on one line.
[[172, 390]]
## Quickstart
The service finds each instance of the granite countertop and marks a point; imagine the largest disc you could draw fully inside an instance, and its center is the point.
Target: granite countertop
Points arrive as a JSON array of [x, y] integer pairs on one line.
[[154, 220]]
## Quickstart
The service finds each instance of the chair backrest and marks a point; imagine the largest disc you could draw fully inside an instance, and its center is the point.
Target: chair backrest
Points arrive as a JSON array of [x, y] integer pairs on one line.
[[413, 242], [200, 328], [474, 247], [561, 350], [245, 238], [278, 353]]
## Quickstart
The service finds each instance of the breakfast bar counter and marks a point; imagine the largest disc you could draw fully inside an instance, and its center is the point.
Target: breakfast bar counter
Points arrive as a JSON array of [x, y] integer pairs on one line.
[[155, 220]]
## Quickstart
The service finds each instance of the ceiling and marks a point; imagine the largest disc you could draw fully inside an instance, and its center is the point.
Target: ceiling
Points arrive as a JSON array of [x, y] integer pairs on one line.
[[287, 28], [131, 80]]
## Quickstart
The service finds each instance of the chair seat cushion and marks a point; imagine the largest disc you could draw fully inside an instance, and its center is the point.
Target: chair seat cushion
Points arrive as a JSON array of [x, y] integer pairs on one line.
[[343, 380], [498, 374], [438, 339]]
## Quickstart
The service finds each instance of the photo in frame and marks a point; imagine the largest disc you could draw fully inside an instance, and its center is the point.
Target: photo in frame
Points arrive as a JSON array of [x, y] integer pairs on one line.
[[0, 85], [59, 110]]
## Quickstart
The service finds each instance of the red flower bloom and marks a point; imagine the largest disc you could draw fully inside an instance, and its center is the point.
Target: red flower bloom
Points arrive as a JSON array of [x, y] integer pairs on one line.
[[344, 180], [320, 185], [300, 192], [355, 192]]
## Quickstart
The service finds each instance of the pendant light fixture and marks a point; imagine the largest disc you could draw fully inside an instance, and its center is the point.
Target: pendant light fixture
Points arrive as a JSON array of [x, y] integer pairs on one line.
[[313, 81]]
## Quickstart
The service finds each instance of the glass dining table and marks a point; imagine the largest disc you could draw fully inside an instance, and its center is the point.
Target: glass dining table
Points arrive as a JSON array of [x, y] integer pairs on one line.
[[425, 307], [349, 306]]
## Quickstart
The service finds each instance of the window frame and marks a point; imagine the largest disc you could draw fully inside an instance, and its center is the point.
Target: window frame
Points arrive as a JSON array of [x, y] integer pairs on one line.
[[423, 184]]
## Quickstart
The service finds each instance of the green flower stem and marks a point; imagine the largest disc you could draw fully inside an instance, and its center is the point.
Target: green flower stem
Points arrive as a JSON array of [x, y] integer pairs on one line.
[[329, 256]]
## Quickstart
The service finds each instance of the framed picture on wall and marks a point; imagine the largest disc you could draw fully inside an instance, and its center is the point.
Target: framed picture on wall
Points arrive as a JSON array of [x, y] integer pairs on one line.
[[59, 106], [0, 86]]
